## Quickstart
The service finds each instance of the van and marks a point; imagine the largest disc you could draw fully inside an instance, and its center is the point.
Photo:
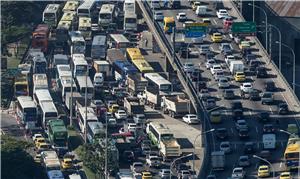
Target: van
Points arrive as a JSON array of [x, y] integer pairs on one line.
[[201, 10], [203, 49], [215, 117]]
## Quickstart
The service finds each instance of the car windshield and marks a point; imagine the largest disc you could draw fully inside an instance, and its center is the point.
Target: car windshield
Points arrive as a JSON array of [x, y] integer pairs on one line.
[[247, 86], [267, 95], [217, 67]]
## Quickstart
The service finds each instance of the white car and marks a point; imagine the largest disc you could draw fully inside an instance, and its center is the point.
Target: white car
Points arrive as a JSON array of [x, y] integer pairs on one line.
[[215, 68], [120, 114], [229, 58], [191, 119], [158, 15], [225, 147], [219, 74], [132, 127], [98, 79], [222, 13], [153, 161], [210, 63], [36, 136], [137, 167], [188, 67], [223, 82], [246, 87], [238, 173], [181, 16]]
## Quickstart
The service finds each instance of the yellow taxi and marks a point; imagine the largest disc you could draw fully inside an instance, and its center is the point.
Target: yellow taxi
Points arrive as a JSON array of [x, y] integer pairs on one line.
[[263, 171], [239, 76], [285, 175], [42, 146], [244, 45], [195, 4], [146, 175], [216, 37], [67, 163], [113, 108], [39, 140], [215, 117]]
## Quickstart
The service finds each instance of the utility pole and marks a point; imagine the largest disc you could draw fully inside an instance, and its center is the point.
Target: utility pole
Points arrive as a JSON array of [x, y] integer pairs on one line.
[[174, 53], [85, 102], [71, 101], [270, 42], [106, 142]]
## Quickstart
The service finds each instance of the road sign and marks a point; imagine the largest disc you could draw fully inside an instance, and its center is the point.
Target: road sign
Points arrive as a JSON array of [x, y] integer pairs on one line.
[[243, 27], [193, 34], [195, 29]]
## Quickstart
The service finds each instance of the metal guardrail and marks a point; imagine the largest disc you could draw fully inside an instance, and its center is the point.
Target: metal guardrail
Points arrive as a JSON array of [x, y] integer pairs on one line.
[[199, 105]]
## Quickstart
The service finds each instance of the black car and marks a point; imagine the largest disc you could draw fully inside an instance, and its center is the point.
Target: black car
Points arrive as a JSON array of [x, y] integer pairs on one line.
[[210, 55], [263, 116], [261, 72], [237, 114], [254, 95], [268, 128], [181, 166], [243, 133], [270, 86], [201, 85], [184, 52], [249, 148], [128, 156], [228, 94], [213, 30], [221, 133], [249, 57], [283, 108], [245, 52], [236, 105], [196, 75]]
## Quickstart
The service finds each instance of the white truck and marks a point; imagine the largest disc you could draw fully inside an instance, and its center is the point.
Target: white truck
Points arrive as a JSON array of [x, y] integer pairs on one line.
[[269, 141], [40, 81], [50, 160], [236, 66], [76, 96], [218, 160], [175, 105]]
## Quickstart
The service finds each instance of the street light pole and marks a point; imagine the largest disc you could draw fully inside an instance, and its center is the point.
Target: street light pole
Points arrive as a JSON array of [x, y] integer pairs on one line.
[[177, 160], [280, 41], [273, 171], [294, 64], [194, 150]]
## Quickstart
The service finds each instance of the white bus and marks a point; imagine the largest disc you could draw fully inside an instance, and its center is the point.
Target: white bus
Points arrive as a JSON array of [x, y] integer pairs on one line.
[[71, 6], [48, 112], [42, 95], [26, 111], [40, 81], [83, 82], [99, 46], [80, 65], [63, 71], [106, 15], [59, 59], [51, 14], [84, 114], [129, 6], [78, 44], [94, 130], [65, 84], [86, 9], [119, 41], [84, 27], [159, 82], [130, 21]]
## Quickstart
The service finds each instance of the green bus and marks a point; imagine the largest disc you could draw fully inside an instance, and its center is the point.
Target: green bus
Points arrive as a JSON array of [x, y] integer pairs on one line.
[[58, 135]]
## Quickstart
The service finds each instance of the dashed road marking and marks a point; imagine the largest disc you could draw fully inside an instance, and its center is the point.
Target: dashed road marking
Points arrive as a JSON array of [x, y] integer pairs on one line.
[[280, 165]]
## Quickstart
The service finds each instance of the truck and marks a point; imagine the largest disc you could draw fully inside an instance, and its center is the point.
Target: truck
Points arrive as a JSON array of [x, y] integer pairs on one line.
[[175, 105], [102, 66], [269, 141], [133, 106], [136, 83], [50, 160], [236, 66], [218, 160], [152, 97], [114, 55]]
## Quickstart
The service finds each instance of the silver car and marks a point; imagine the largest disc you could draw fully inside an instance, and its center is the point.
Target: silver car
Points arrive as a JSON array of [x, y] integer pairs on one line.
[[225, 146], [244, 161], [164, 173]]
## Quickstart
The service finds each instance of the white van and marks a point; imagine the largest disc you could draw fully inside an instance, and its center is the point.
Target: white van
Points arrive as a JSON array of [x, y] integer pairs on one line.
[[201, 11], [269, 141]]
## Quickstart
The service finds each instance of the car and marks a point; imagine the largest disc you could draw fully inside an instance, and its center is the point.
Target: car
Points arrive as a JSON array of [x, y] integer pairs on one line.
[[239, 76], [42, 146], [268, 128], [215, 116], [210, 103], [191, 119], [228, 94], [221, 133], [225, 147], [267, 98], [121, 114], [219, 74], [238, 173], [222, 13], [285, 175], [112, 122], [210, 63], [137, 176], [244, 45], [236, 105], [132, 127], [185, 52], [188, 67], [249, 57], [270, 86], [181, 16], [243, 133], [226, 49], [39, 140], [201, 84], [158, 15], [36, 136], [146, 175], [95, 28], [216, 37], [202, 11], [137, 167], [215, 68], [263, 116], [249, 148], [227, 20], [146, 143], [213, 30], [244, 161], [146, 150], [229, 58], [211, 177], [164, 173], [223, 82], [204, 94], [282, 108], [204, 49], [206, 21], [265, 154], [98, 80], [254, 95], [246, 87], [184, 174], [263, 171], [195, 4], [181, 166], [196, 75], [67, 163], [153, 161], [128, 155], [241, 124]]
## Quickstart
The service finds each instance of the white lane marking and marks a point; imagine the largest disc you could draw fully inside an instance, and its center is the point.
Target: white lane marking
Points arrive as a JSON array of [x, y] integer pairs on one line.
[[271, 110], [215, 22], [280, 165], [256, 129]]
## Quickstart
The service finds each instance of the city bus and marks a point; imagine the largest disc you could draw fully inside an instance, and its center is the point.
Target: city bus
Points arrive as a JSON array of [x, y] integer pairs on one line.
[[88, 114], [159, 82], [40, 81], [58, 135], [99, 47], [123, 68], [38, 61], [62, 33], [51, 14], [143, 66], [134, 54], [48, 112], [130, 21], [292, 152], [68, 16], [42, 95], [95, 130], [78, 44], [129, 6], [106, 15], [26, 112], [87, 9], [119, 41], [65, 85], [59, 59], [21, 86], [84, 27], [169, 23], [71, 6], [83, 82], [80, 65], [63, 71]]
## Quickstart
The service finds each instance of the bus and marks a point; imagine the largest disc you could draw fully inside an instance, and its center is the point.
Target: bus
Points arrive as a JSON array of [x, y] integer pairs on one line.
[[80, 65], [63, 71], [58, 135], [129, 6], [71, 6], [119, 41], [99, 46], [42, 95], [26, 112], [95, 130], [143, 66], [59, 59], [48, 112], [21, 86], [83, 82], [292, 152], [37, 58], [88, 114], [84, 27], [51, 14], [134, 54], [78, 44], [65, 85], [40, 81], [40, 37], [130, 21], [159, 82], [169, 23], [62, 33], [87, 9], [106, 15], [123, 68]]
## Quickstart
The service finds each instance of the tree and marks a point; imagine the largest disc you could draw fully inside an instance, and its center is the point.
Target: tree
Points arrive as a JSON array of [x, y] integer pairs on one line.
[[16, 161]]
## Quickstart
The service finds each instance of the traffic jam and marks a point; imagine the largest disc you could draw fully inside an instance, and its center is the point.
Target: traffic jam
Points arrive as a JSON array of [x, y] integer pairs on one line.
[[87, 67]]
